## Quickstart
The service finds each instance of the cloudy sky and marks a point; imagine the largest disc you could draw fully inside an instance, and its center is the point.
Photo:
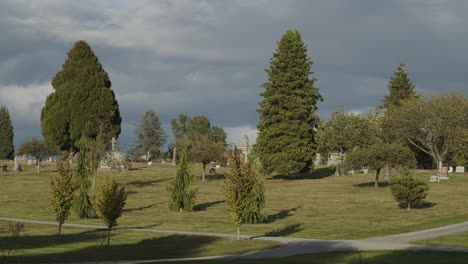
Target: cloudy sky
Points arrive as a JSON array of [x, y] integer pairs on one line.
[[208, 57]]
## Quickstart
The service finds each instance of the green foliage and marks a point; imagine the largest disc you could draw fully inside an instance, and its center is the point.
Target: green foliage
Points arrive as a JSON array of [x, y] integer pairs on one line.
[[150, 135], [400, 88], [109, 203], [181, 192], [288, 119], [244, 192], [378, 155], [203, 149], [7, 150], [38, 149], [82, 96], [430, 124], [205, 143], [408, 191], [62, 193], [82, 179]]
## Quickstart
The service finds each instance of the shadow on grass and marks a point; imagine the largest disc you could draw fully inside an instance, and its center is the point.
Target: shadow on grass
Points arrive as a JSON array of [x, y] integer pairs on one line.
[[422, 205], [319, 173], [371, 184], [213, 176], [288, 230], [146, 183], [25, 241], [141, 208], [155, 248], [204, 206], [282, 214]]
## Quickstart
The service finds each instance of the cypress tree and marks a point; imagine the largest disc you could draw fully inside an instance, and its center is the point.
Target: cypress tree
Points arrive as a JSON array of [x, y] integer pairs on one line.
[[7, 149], [288, 119], [400, 88], [182, 194], [82, 205], [81, 96]]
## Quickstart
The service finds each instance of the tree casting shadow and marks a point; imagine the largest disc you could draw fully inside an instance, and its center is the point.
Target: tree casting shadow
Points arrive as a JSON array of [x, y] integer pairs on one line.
[[316, 174], [204, 206], [371, 184], [282, 214], [146, 183], [288, 230]]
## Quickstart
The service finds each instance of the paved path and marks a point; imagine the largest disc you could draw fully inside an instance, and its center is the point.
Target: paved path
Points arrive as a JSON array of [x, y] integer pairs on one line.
[[295, 246]]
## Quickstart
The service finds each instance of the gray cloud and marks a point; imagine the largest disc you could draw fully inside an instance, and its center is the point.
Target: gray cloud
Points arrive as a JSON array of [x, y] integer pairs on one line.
[[208, 57]]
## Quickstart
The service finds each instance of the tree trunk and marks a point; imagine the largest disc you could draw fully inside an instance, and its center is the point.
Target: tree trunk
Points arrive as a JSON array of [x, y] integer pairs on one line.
[[376, 183], [94, 180], [38, 166], [238, 233], [409, 207], [174, 155], [60, 229], [147, 156], [108, 236], [203, 175]]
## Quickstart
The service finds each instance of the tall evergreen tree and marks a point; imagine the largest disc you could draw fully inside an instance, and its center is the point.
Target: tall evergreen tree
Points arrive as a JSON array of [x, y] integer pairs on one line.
[[400, 88], [82, 97], [82, 179], [150, 135], [7, 149], [182, 194], [288, 119]]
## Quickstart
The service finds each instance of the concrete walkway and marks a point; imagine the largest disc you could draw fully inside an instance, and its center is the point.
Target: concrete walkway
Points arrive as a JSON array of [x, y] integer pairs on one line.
[[295, 246]]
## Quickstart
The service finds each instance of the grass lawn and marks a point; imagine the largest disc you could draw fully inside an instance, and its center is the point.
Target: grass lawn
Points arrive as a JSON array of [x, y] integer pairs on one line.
[[367, 257], [455, 240], [38, 243], [319, 205]]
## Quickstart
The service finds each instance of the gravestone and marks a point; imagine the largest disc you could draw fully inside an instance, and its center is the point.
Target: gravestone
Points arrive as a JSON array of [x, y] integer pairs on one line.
[[17, 166], [444, 171], [460, 169], [4, 168], [435, 178], [30, 162], [450, 169]]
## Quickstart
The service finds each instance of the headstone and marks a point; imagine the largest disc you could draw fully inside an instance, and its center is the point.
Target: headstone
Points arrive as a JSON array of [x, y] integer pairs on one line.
[[444, 171], [17, 166], [29, 162], [150, 163], [365, 171], [450, 169], [444, 177], [435, 178], [459, 169], [4, 168], [387, 174]]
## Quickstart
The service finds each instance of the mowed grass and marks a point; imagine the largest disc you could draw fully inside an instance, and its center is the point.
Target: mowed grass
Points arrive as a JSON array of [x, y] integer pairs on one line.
[[319, 205], [455, 240], [40, 244], [367, 257]]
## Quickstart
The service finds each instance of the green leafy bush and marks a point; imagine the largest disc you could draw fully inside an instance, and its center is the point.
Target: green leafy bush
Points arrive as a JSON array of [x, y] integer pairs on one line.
[[409, 191]]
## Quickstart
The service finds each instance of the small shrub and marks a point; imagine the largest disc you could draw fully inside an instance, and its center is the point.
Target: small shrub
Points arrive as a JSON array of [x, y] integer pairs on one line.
[[408, 191]]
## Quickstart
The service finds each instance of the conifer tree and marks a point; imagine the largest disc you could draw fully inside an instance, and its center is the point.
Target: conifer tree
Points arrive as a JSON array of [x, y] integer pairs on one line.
[[7, 149], [82, 178], [62, 193], [244, 192], [288, 119], [150, 135], [400, 88], [181, 192], [81, 96]]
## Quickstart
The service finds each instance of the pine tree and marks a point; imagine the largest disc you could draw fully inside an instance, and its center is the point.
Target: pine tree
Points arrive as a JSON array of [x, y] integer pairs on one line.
[[109, 203], [288, 119], [409, 191], [182, 194], [62, 193], [400, 88], [7, 149], [82, 97], [150, 135], [244, 192]]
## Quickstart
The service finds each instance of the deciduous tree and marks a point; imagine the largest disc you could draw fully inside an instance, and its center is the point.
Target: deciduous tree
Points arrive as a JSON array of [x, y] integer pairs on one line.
[[37, 148], [288, 119], [62, 193], [377, 156], [109, 203]]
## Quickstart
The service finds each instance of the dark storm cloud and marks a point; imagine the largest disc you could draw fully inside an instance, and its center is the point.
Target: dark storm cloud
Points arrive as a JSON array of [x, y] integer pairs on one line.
[[208, 57]]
